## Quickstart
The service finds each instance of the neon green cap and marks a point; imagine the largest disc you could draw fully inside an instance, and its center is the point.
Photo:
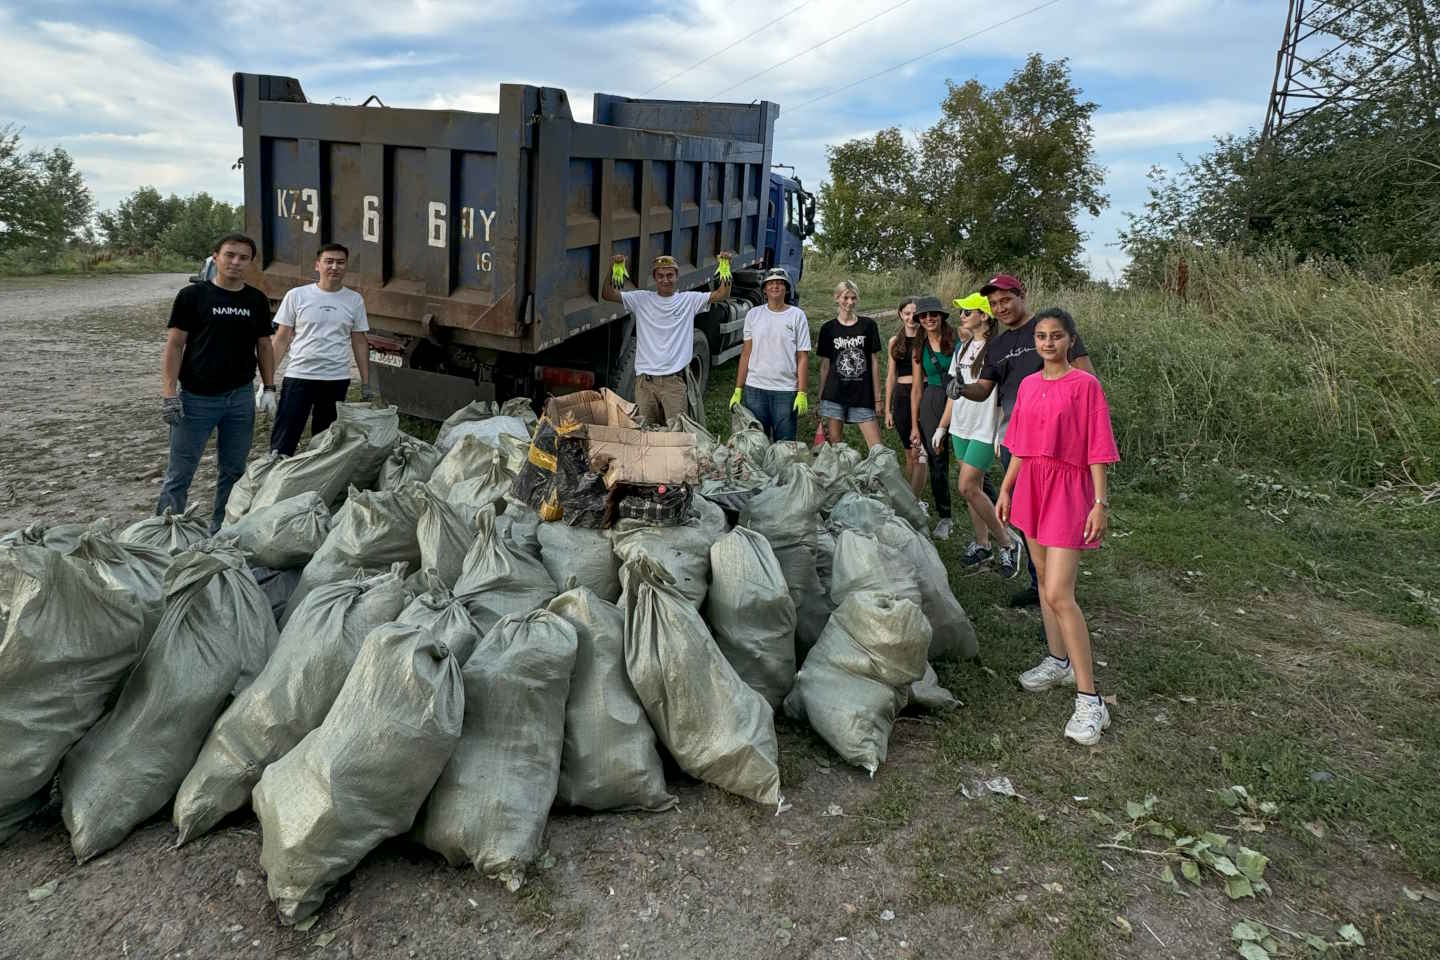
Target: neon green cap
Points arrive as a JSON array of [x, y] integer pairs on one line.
[[976, 301]]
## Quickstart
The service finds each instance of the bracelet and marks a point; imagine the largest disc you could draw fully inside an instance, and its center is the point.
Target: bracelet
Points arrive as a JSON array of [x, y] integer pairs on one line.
[[1102, 502]]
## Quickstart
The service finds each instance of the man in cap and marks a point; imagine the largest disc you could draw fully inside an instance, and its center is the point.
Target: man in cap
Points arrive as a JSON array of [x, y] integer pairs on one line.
[[1009, 358], [775, 360], [664, 334]]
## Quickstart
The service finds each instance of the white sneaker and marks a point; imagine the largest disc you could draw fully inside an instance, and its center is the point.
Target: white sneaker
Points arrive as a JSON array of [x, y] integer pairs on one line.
[[942, 529], [924, 507], [1046, 674], [1090, 717]]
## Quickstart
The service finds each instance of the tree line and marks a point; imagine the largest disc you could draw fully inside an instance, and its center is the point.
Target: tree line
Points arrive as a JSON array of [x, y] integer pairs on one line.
[[48, 212]]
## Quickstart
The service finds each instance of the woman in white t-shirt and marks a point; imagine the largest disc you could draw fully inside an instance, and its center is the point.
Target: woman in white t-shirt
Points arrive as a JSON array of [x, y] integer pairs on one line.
[[972, 425]]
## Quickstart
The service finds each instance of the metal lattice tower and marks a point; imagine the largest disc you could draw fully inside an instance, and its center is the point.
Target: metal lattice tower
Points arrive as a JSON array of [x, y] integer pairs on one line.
[[1342, 54]]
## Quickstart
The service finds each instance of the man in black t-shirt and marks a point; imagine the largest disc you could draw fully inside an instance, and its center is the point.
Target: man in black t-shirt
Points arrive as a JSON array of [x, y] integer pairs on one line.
[[219, 331], [1009, 358]]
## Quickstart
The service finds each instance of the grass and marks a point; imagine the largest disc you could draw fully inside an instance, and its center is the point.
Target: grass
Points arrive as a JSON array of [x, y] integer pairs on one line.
[[1266, 610], [85, 261]]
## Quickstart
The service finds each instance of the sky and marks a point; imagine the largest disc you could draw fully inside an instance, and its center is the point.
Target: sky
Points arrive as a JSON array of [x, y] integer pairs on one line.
[[140, 93]]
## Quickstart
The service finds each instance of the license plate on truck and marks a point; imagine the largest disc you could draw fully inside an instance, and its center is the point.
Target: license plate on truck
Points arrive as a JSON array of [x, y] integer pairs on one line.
[[388, 359]]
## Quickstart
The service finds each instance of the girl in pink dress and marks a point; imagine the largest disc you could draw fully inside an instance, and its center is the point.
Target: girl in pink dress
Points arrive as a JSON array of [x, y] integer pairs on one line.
[[1061, 444]]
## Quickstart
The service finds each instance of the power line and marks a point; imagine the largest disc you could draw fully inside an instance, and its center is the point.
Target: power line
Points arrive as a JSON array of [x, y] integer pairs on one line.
[[817, 46], [701, 63], [905, 63]]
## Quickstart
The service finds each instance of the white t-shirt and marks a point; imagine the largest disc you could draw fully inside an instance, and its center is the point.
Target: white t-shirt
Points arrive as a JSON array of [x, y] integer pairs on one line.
[[664, 338], [323, 323], [972, 419], [774, 340]]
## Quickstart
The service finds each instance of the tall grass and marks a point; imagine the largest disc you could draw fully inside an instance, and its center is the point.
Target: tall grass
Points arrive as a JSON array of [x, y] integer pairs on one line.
[[1312, 369], [26, 262]]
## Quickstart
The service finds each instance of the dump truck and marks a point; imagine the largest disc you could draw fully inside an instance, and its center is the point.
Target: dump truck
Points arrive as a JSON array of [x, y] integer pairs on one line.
[[481, 241]]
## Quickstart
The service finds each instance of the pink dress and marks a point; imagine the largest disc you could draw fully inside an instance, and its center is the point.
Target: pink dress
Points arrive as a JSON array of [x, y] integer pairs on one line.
[[1058, 428]]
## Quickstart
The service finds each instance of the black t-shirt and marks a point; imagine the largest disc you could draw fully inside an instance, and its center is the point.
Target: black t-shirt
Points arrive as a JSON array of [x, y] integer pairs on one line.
[[849, 348], [221, 327], [1010, 357]]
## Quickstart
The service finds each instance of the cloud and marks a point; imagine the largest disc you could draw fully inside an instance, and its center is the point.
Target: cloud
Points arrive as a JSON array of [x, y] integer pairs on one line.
[[1173, 124]]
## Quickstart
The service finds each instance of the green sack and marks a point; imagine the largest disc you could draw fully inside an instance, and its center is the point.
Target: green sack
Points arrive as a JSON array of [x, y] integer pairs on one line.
[[284, 535], [857, 678], [288, 699], [751, 613], [491, 802], [361, 776], [67, 641], [610, 761], [498, 580], [170, 531], [214, 639], [713, 724]]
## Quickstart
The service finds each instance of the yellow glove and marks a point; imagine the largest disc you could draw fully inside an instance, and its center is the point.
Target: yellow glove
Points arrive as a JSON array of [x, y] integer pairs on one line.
[[802, 403], [735, 399], [722, 268], [618, 273]]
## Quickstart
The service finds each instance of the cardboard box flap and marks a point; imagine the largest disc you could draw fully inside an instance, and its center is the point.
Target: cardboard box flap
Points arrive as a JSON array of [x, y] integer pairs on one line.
[[644, 456], [601, 407]]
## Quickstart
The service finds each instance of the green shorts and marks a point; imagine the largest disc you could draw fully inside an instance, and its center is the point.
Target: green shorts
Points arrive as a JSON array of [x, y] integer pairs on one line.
[[978, 453]]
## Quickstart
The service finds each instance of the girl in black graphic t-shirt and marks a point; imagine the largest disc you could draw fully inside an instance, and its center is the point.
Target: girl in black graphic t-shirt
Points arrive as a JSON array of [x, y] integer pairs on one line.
[[849, 352]]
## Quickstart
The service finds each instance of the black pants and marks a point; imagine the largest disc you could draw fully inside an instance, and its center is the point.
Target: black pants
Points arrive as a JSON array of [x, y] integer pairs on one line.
[[298, 399], [1029, 563], [932, 408]]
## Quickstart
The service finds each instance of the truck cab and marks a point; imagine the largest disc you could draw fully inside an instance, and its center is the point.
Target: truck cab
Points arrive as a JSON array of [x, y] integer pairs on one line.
[[790, 221]]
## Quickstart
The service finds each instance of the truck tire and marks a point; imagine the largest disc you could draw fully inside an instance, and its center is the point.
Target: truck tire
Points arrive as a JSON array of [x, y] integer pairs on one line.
[[697, 377]]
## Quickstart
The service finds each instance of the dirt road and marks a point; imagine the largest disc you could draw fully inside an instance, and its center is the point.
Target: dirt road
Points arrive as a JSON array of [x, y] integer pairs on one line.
[[80, 428]]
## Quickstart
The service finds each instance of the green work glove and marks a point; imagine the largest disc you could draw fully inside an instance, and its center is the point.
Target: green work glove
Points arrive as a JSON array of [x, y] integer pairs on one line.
[[735, 399], [722, 269], [618, 273], [802, 403]]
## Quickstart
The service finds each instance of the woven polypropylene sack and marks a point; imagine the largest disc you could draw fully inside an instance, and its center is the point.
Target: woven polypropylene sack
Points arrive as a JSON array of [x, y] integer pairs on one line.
[[783, 453], [857, 677], [215, 637], [175, 532], [68, 641], [715, 726], [411, 460], [127, 566], [927, 694], [60, 537], [742, 420], [491, 802], [445, 532], [520, 408], [278, 587], [373, 530], [610, 761], [488, 488], [498, 580], [242, 494], [474, 411], [834, 465], [379, 425], [361, 776], [953, 634], [879, 476], [288, 699], [683, 551], [283, 535], [787, 515], [580, 557], [466, 459], [865, 565], [751, 613], [520, 526]]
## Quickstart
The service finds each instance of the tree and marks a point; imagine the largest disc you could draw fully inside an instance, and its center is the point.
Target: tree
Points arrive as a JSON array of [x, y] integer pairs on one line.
[[140, 220], [199, 221], [44, 203], [1000, 179]]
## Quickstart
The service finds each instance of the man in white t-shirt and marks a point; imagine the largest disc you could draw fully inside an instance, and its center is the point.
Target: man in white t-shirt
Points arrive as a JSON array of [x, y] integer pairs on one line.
[[775, 361], [322, 325], [664, 335]]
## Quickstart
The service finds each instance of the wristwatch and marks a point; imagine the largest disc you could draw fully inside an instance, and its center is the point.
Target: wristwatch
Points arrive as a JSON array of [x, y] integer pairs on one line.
[[1102, 502]]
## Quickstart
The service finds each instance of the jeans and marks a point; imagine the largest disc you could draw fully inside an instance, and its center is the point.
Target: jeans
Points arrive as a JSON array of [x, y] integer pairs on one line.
[[1029, 563], [775, 409], [297, 399], [231, 416]]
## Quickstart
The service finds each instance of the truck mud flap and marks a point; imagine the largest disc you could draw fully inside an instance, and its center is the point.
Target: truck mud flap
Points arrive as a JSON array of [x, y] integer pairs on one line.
[[431, 396]]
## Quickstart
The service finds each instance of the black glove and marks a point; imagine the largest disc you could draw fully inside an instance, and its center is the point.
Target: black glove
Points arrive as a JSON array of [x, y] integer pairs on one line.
[[172, 411], [953, 386], [368, 393]]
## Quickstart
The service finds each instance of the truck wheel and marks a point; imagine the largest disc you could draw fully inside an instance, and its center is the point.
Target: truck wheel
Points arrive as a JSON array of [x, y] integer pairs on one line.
[[622, 375], [697, 377]]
